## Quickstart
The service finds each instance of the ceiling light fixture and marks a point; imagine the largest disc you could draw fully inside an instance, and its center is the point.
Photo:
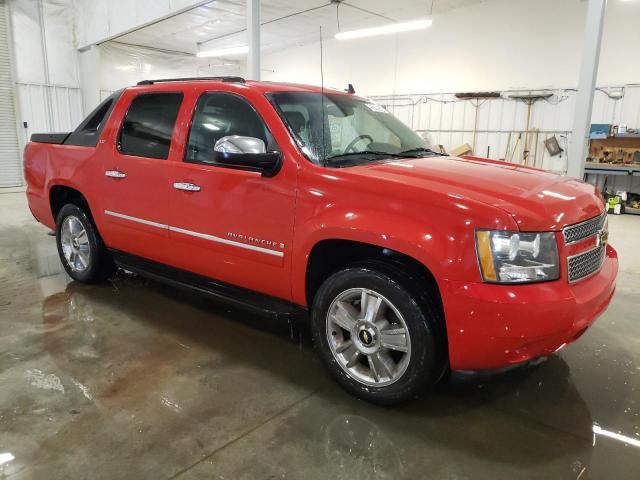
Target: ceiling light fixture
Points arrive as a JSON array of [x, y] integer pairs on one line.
[[223, 52], [385, 30]]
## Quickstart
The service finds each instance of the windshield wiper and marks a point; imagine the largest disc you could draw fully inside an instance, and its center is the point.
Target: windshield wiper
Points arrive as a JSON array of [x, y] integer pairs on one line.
[[366, 152], [420, 150]]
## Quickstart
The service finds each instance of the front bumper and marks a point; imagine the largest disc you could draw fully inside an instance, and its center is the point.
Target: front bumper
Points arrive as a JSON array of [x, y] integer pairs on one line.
[[495, 326]]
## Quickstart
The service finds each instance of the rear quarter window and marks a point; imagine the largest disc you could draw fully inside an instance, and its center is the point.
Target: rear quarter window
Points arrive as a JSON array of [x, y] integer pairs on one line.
[[147, 128], [88, 132]]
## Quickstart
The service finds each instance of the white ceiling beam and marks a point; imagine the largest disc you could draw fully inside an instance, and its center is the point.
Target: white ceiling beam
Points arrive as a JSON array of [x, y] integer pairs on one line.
[[167, 16]]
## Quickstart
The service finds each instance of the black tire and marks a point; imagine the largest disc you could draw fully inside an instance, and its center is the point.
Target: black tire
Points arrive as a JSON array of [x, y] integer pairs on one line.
[[100, 265], [422, 316]]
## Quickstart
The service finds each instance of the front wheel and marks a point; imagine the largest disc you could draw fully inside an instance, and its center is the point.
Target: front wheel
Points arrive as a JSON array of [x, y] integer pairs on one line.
[[377, 338], [81, 251]]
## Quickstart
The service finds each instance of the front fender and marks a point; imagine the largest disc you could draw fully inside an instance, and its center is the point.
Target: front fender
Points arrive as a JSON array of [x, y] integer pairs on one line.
[[446, 249]]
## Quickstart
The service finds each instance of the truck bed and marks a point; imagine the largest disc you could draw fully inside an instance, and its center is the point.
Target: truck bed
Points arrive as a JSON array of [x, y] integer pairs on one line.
[[57, 138]]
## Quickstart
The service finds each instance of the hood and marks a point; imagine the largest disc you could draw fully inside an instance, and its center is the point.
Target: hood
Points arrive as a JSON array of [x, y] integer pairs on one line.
[[537, 200]]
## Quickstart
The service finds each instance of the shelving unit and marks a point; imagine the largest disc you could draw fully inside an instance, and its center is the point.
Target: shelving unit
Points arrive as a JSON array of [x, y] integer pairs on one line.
[[616, 176], [611, 169]]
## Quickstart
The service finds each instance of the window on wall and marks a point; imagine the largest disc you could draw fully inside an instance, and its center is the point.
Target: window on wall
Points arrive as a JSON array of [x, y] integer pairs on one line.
[[148, 126], [219, 115]]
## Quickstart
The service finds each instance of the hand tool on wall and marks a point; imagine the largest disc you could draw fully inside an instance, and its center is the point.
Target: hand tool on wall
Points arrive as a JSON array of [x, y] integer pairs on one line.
[[529, 100]]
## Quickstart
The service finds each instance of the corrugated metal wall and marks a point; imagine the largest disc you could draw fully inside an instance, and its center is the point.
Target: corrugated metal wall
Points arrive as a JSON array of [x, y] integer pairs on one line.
[[46, 88], [497, 127], [48, 108], [10, 164]]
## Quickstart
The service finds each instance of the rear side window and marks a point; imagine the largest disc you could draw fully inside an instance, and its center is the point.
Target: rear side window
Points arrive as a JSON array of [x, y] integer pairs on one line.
[[148, 126], [88, 132]]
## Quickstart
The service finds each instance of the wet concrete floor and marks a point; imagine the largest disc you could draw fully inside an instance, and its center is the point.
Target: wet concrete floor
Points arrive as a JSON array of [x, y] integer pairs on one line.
[[132, 379]]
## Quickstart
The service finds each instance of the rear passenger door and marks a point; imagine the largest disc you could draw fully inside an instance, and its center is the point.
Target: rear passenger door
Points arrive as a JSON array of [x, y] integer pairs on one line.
[[136, 186]]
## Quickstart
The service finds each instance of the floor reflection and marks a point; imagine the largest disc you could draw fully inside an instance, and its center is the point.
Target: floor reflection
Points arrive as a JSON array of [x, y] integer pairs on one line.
[[132, 328], [360, 450], [150, 366]]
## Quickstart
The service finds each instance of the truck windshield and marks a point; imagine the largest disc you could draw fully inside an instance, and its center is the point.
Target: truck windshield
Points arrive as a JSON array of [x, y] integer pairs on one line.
[[342, 130]]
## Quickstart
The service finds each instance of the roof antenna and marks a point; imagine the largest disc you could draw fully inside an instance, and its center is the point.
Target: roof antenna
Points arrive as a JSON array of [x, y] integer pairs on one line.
[[324, 155], [350, 89]]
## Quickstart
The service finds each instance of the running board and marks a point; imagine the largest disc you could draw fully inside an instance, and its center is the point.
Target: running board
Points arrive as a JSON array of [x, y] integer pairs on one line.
[[240, 297]]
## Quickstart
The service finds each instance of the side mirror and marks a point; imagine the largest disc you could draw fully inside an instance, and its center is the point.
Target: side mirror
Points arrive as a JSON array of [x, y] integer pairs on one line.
[[247, 153]]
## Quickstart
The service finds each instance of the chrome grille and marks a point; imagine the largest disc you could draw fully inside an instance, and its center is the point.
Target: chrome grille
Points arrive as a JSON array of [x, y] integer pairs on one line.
[[585, 264], [580, 231]]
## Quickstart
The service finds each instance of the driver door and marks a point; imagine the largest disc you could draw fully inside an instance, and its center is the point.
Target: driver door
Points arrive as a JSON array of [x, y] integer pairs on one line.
[[231, 224]]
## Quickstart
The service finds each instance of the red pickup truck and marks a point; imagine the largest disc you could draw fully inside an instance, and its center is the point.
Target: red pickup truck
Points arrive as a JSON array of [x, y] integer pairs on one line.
[[290, 198]]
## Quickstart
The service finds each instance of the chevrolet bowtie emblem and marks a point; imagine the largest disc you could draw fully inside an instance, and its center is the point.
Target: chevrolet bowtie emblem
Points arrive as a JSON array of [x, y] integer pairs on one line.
[[365, 337], [602, 237]]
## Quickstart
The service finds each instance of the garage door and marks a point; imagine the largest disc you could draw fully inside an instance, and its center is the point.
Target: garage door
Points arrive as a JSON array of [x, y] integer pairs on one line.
[[10, 164]]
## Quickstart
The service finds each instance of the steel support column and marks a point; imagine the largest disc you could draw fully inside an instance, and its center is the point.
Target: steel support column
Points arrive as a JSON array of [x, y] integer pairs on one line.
[[253, 29], [586, 87]]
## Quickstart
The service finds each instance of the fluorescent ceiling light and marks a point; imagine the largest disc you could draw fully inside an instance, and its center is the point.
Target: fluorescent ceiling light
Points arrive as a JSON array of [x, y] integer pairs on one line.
[[386, 29], [223, 52]]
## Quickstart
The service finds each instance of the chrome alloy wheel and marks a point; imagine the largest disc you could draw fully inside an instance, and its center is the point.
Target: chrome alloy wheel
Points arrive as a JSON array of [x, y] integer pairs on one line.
[[75, 244], [368, 337]]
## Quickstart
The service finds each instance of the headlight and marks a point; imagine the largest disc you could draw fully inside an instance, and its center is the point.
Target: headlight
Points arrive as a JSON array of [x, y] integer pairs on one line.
[[515, 257]]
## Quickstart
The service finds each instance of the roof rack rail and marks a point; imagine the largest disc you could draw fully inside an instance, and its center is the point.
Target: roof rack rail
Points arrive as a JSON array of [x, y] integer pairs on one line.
[[220, 79]]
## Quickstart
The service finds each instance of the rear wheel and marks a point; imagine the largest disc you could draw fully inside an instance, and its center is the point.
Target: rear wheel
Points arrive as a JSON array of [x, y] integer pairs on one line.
[[377, 337], [81, 251]]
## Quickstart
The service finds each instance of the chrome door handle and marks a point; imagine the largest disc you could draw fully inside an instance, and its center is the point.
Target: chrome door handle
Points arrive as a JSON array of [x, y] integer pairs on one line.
[[115, 174], [187, 187]]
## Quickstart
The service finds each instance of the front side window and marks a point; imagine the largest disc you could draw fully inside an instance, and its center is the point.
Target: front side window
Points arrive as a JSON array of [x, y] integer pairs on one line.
[[335, 129], [148, 126], [220, 115]]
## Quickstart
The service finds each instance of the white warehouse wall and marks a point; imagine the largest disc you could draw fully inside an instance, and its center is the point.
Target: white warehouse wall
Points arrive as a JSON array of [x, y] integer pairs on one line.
[[122, 65], [57, 85], [496, 128], [495, 45], [514, 46], [52, 59], [113, 65], [45, 66]]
